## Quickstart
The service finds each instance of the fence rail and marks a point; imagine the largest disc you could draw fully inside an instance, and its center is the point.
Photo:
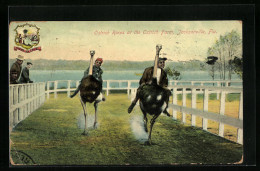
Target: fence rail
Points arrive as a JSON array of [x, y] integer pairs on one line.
[[218, 117], [128, 85], [23, 100]]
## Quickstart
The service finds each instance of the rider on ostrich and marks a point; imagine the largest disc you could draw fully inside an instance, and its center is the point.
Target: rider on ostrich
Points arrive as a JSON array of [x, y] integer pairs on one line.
[[147, 77], [90, 88], [97, 73]]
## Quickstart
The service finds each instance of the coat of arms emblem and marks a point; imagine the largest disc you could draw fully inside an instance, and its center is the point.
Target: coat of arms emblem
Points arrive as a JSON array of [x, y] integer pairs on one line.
[[27, 36]]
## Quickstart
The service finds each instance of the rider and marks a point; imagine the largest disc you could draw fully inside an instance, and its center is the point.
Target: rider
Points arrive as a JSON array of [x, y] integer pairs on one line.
[[147, 78], [97, 73]]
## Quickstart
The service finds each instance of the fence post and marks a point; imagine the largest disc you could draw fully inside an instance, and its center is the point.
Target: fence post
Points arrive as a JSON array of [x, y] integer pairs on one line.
[[11, 101], [20, 99], [35, 93], [41, 88], [174, 101], [31, 90], [28, 97], [25, 98], [128, 87], [184, 104], [15, 102], [218, 85], [55, 88], [39, 94], [193, 105], [68, 89], [132, 94], [42, 93], [205, 108], [107, 87], [48, 89], [227, 83], [240, 116], [222, 112], [119, 84]]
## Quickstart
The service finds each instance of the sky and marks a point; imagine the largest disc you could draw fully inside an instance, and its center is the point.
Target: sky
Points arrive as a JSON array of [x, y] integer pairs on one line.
[[124, 40]]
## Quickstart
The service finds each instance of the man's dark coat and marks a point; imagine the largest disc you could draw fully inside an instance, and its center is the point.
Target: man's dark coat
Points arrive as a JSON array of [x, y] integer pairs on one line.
[[97, 73], [25, 76], [148, 75], [15, 69]]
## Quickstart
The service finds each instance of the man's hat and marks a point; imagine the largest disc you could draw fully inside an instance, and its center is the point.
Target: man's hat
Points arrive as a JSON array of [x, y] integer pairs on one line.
[[162, 59], [20, 57], [28, 63]]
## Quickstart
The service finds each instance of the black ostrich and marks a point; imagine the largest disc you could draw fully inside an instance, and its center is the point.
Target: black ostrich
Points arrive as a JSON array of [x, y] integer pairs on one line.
[[89, 91], [153, 98]]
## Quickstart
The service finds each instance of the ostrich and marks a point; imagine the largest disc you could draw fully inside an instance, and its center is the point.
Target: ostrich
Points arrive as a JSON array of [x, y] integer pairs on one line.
[[89, 91], [153, 98]]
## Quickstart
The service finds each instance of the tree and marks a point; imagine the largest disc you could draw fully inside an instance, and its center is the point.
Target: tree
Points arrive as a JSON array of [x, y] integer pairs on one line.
[[237, 64], [232, 41], [172, 73], [211, 60], [226, 47]]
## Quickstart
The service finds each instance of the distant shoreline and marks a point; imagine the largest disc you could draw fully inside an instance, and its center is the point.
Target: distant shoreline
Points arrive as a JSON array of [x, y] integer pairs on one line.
[[109, 65]]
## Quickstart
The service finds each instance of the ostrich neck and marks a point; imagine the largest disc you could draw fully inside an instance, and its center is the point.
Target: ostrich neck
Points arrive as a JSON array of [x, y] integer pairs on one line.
[[90, 66], [155, 65]]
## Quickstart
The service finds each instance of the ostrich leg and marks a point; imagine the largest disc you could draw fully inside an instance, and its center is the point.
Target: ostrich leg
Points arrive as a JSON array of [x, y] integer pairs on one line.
[[96, 112], [85, 115], [151, 127], [145, 120]]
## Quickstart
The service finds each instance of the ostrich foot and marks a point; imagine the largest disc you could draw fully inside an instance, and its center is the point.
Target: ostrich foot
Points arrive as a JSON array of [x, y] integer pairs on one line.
[[147, 142], [131, 108], [166, 112], [85, 133]]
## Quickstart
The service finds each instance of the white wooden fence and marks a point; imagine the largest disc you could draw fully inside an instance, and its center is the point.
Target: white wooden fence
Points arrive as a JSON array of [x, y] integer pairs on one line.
[[125, 85], [128, 86], [23, 100], [220, 117]]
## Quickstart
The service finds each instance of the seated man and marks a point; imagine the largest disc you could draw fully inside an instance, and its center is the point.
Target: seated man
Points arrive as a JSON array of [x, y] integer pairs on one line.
[[97, 73], [162, 81]]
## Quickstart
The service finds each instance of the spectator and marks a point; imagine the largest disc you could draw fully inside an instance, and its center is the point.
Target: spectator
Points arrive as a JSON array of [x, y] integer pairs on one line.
[[15, 70], [25, 74]]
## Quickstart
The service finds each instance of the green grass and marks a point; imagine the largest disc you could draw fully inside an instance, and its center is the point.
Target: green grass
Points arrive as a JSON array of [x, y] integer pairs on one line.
[[229, 97], [50, 135]]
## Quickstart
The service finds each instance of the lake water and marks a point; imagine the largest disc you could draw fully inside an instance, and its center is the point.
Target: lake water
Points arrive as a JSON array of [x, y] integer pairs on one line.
[[46, 75]]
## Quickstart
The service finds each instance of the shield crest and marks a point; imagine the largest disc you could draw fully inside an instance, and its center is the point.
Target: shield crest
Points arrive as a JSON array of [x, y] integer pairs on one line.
[[27, 35]]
